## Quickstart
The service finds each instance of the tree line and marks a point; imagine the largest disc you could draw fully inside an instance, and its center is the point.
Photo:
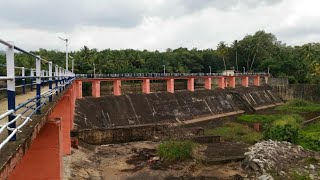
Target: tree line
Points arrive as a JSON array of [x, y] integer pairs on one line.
[[254, 53]]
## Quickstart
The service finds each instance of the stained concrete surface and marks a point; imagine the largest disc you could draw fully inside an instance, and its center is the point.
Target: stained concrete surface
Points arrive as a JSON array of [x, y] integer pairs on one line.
[[161, 107]]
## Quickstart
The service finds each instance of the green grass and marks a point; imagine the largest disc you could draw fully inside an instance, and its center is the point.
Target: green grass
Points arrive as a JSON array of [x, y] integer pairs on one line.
[[276, 119], [310, 137], [299, 106], [300, 176], [236, 132], [293, 119], [176, 150], [253, 118]]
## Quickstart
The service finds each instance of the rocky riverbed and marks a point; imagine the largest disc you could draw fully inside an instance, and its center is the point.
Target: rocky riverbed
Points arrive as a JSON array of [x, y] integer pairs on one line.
[[281, 160]]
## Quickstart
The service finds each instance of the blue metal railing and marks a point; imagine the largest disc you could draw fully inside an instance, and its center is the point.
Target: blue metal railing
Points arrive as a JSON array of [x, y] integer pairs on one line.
[[23, 112], [155, 75]]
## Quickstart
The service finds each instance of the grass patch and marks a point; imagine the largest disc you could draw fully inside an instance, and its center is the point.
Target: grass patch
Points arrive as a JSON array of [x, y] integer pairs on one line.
[[253, 118], [310, 137], [292, 119], [300, 176], [176, 150], [299, 106], [311, 160], [276, 119], [236, 132]]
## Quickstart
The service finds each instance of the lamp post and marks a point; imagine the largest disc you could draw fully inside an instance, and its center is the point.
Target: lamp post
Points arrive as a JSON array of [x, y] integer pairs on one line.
[[164, 69], [210, 70], [94, 70], [66, 40], [244, 70], [72, 65]]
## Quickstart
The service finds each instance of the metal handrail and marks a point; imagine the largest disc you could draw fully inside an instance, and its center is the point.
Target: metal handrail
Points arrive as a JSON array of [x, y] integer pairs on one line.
[[61, 77], [137, 75]]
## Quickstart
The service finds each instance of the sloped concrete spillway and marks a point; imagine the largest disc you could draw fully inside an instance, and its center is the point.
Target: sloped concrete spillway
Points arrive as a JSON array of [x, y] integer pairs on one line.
[[162, 107]]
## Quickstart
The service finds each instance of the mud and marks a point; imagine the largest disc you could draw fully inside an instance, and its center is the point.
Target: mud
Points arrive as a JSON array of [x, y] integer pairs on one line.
[[135, 161]]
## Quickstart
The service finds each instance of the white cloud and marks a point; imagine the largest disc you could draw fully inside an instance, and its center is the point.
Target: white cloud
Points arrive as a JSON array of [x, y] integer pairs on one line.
[[162, 24]]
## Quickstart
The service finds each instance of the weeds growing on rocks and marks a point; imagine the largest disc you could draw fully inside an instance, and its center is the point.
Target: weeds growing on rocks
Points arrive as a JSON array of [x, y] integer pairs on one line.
[[176, 150]]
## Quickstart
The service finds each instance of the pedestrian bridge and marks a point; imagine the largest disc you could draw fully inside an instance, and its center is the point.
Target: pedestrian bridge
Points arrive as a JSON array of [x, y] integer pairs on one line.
[[35, 131]]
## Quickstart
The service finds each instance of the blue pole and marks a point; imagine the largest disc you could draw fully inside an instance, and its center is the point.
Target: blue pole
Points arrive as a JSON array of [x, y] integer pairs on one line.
[[11, 87], [23, 86], [31, 85], [11, 105]]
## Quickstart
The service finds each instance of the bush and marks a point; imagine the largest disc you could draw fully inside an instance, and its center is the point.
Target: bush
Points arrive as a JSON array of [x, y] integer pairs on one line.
[[287, 132], [174, 150]]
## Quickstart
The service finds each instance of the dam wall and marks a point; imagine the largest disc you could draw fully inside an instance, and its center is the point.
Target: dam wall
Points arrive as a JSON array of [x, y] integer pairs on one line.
[[163, 107], [310, 92]]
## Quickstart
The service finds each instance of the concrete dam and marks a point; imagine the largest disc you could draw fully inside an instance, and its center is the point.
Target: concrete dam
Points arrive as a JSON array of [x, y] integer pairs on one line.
[[181, 107]]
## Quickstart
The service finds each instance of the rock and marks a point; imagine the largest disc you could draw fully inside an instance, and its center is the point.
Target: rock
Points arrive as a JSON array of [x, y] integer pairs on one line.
[[265, 177], [156, 158], [312, 167], [273, 156]]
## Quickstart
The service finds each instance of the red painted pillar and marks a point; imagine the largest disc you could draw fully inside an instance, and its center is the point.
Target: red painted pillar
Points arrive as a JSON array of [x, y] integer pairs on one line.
[[146, 86], [73, 104], [63, 110], [44, 158], [256, 80], [191, 84], [78, 89], [207, 83], [232, 82], [245, 81], [96, 88], [221, 82], [170, 85], [117, 87]]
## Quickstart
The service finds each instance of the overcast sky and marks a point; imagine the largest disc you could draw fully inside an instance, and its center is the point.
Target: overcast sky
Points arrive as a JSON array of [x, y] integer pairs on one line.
[[154, 24]]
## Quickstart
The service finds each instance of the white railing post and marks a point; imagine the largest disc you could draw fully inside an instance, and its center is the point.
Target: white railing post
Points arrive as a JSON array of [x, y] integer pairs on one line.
[[50, 81], [11, 86], [60, 79], [31, 79], [38, 81], [23, 80], [56, 78]]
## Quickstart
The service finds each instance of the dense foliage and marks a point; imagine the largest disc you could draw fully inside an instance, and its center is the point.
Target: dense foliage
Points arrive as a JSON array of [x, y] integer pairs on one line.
[[285, 132], [256, 52]]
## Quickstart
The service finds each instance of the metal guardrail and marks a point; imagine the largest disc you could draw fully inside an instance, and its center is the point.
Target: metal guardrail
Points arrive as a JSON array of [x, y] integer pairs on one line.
[[155, 75], [24, 111]]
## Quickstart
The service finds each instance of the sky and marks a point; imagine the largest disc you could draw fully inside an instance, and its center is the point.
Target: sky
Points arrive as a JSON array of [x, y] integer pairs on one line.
[[154, 24]]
